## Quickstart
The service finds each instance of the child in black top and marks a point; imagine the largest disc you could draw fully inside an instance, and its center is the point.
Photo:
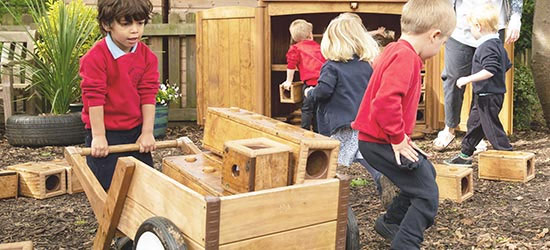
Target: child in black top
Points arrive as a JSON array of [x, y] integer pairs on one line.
[[489, 67]]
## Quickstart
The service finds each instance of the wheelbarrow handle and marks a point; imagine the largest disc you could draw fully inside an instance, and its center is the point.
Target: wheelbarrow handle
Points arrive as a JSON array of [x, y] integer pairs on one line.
[[133, 147]]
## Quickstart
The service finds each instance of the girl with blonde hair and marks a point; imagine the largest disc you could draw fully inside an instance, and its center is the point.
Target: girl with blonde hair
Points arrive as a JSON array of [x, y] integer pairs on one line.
[[349, 50]]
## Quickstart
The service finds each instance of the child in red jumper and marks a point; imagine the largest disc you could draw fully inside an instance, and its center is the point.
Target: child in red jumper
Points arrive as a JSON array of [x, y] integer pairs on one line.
[[119, 83], [386, 118], [305, 55]]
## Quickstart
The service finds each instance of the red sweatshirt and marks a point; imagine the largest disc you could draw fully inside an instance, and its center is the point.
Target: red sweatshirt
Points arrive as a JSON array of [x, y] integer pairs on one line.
[[306, 55], [121, 86], [389, 106]]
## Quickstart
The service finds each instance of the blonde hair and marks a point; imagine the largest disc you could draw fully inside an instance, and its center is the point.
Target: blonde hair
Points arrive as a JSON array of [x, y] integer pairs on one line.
[[346, 36], [300, 29], [487, 17], [419, 16]]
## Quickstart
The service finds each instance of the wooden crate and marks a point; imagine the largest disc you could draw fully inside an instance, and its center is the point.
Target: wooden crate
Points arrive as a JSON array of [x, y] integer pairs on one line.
[[506, 165], [255, 164], [41, 180], [314, 156], [196, 171], [293, 95], [24, 245], [454, 183], [73, 185], [9, 181]]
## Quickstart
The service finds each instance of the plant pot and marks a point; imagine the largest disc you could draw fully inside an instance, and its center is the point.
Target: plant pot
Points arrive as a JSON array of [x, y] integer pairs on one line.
[[161, 121], [75, 107]]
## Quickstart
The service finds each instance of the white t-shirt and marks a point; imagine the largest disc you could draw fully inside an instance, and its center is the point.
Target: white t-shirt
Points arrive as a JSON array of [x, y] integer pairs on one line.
[[462, 31]]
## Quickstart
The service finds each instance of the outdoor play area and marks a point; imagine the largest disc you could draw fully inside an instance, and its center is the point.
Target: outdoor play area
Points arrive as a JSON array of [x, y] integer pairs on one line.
[[233, 169]]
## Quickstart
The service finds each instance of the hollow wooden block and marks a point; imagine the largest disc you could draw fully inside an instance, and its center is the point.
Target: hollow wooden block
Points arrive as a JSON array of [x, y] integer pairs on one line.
[[293, 95], [255, 164], [198, 172], [73, 185], [9, 182], [41, 180], [506, 165], [313, 156], [23, 245], [454, 183]]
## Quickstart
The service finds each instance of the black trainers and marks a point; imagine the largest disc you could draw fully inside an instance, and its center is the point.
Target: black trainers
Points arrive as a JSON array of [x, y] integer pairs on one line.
[[459, 161], [384, 229]]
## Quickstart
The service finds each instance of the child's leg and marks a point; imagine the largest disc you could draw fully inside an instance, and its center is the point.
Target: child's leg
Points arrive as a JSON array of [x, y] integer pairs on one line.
[[308, 109], [416, 206], [475, 131], [489, 108]]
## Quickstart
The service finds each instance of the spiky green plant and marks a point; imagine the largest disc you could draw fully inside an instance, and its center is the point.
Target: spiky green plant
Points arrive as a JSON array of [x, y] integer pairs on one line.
[[53, 68]]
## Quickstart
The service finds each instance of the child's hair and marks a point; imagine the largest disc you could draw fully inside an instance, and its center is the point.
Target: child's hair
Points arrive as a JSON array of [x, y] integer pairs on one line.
[[486, 16], [300, 29], [346, 36], [115, 10], [419, 16]]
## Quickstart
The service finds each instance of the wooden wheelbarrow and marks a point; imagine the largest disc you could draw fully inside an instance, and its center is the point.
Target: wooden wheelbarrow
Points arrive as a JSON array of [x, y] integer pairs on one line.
[[152, 208]]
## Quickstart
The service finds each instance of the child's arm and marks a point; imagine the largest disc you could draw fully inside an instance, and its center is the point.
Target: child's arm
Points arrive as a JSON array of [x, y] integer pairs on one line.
[[100, 146], [479, 76], [146, 140], [292, 59], [289, 77], [326, 84]]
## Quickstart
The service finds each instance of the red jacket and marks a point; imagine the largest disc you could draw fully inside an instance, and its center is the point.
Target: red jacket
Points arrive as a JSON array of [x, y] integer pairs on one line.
[[388, 109], [306, 55], [121, 86]]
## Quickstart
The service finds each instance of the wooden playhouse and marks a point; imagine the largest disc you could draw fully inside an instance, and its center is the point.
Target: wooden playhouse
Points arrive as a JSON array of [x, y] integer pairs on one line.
[[241, 56]]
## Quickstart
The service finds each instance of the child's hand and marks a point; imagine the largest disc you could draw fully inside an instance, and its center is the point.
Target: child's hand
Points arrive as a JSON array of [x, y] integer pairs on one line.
[[462, 82], [286, 85], [100, 147], [146, 143], [307, 90], [405, 149]]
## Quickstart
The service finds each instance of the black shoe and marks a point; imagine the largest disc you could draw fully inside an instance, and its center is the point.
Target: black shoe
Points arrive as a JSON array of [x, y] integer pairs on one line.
[[123, 243], [384, 229], [459, 161]]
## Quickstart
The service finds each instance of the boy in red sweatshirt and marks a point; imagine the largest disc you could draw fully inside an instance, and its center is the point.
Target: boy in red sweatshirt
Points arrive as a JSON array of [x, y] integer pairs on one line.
[[305, 55], [119, 83], [387, 116]]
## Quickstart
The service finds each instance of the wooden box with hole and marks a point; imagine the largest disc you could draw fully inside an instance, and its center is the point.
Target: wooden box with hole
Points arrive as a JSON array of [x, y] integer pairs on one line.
[[506, 165], [40, 180], [313, 156], [9, 181], [73, 185], [23, 245], [158, 212], [255, 164], [454, 183], [292, 95]]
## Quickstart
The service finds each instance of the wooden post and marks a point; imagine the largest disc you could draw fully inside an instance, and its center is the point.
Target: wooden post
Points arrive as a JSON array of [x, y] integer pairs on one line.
[[191, 67], [114, 203], [155, 45], [174, 56]]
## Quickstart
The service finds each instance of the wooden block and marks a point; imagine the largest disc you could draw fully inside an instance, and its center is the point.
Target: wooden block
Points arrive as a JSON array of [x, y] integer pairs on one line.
[[23, 245], [293, 95], [197, 172], [9, 181], [73, 185], [255, 164], [41, 180], [454, 183], [506, 165], [314, 156]]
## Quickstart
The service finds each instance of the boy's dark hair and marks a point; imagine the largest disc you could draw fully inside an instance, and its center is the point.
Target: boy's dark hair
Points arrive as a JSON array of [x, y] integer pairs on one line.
[[115, 10]]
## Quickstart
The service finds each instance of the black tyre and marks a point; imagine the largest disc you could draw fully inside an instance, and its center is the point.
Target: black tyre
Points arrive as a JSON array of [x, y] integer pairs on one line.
[[159, 233], [27, 130], [352, 232]]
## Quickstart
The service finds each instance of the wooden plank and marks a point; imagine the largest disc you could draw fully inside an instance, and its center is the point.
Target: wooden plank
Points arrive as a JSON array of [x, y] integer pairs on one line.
[[195, 172], [156, 47], [191, 68], [229, 12], [9, 181], [281, 8], [169, 29], [343, 203], [319, 236], [258, 45], [201, 57], [223, 54], [115, 200], [233, 68], [246, 66], [278, 210], [24, 245], [212, 86]]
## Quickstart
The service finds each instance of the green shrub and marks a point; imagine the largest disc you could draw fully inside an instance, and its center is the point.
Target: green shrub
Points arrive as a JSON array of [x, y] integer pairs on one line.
[[525, 97], [524, 41], [17, 7]]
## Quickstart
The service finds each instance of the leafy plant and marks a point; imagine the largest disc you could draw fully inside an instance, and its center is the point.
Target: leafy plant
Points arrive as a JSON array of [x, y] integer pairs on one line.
[[167, 93], [18, 7], [525, 97], [64, 32], [524, 41], [358, 182]]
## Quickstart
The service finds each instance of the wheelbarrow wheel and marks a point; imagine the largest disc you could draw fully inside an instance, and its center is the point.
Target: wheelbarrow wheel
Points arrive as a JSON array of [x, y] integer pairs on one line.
[[352, 232], [159, 233]]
